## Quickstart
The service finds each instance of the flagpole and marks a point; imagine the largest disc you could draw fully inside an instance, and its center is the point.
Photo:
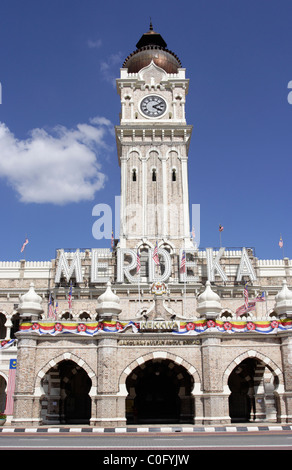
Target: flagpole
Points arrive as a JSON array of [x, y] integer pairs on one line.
[[182, 269], [24, 246], [185, 286], [220, 230], [139, 291], [281, 244]]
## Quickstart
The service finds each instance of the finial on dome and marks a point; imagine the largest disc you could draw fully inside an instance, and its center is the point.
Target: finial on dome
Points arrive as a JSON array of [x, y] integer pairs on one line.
[[283, 301], [108, 304], [209, 305], [152, 47], [30, 304]]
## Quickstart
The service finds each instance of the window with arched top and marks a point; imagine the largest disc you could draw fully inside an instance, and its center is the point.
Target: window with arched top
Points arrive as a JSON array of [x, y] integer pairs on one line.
[[173, 174], [134, 175], [67, 316], [154, 174], [84, 316]]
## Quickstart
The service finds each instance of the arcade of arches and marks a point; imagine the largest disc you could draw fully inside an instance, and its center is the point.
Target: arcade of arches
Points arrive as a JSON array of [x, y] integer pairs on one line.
[[159, 392]]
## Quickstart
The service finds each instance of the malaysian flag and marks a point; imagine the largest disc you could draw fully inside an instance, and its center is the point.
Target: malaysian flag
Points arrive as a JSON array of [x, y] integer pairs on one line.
[[155, 255], [240, 310], [245, 308], [183, 262], [260, 298], [138, 262], [70, 296], [221, 228], [245, 294], [51, 308], [24, 245], [281, 242], [10, 387]]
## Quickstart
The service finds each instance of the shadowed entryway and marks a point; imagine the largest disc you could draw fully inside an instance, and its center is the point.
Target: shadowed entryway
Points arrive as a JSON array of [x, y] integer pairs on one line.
[[159, 392], [67, 398]]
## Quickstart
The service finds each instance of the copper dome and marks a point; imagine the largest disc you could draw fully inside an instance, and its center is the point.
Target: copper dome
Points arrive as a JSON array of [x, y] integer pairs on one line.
[[152, 46]]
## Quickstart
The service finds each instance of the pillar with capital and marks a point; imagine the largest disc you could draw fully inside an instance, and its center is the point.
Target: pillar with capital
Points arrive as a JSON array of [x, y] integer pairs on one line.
[[26, 404]]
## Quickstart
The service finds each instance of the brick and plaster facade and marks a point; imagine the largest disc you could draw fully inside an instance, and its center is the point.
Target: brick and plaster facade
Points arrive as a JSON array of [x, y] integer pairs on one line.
[[160, 345]]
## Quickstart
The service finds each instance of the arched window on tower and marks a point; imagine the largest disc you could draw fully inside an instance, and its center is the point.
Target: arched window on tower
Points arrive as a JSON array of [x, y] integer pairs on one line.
[[134, 175], [154, 174], [173, 174]]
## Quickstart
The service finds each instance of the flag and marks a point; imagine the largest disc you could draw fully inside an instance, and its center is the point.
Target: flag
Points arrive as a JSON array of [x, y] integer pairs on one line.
[[221, 228], [51, 309], [260, 298], [245, 308], [155, 255], [24, 245], [250, 306], [281, 242], [245, 294], [240, 310], [10, 387], [183, 262], [70, 296], [138, 262]]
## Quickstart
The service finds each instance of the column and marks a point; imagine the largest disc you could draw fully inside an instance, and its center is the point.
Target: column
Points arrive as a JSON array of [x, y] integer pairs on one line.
[[215, 400], [108, 409], [26, 404], [165, 183], [123, 228], [286, 350], [185, 191]]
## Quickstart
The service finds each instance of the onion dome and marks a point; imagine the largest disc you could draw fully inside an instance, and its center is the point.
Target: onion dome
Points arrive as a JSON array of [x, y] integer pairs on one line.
[[30, 304], [209, 305], [151, 46], [108, 304], [283, 301]]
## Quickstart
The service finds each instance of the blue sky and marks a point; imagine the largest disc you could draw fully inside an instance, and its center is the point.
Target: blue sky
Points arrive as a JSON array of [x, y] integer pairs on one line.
[[58, 63]]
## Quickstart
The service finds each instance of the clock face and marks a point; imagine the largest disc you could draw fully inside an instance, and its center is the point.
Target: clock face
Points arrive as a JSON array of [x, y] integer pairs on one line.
[[153, 106]]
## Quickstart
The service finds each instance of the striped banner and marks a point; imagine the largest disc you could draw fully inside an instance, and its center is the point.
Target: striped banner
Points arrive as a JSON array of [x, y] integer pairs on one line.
[[10, 387], [185, 327]]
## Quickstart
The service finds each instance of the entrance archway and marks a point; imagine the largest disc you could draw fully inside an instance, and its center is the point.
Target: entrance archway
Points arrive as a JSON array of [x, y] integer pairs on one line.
[[159, 391], [252, 384], [67, 399]]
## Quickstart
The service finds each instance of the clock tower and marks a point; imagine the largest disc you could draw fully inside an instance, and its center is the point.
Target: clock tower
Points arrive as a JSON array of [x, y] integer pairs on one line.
[[153, 141]]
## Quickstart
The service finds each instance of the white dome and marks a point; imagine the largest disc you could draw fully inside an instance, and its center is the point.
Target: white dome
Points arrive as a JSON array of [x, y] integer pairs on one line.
[[108, 303], [108, 296], [209, 302], [30, 303], [283, 300]]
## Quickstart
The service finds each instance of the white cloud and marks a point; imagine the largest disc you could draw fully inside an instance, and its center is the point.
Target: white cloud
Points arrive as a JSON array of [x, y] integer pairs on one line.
[[109, 66], [59, 167], [94, 44]]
